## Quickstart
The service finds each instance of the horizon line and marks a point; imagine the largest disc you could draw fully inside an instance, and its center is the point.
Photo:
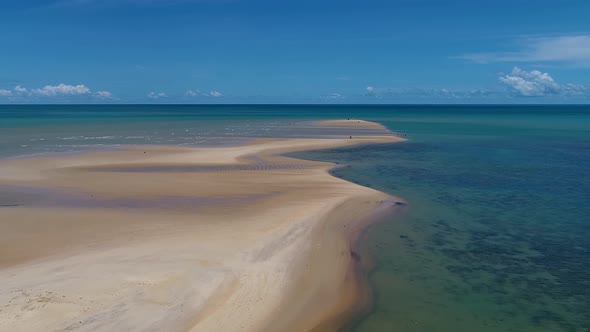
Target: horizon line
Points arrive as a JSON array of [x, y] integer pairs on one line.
[[297, 104]]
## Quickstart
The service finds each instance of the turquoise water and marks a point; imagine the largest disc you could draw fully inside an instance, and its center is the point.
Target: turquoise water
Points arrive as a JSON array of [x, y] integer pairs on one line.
[[26, 130], [497, 236]]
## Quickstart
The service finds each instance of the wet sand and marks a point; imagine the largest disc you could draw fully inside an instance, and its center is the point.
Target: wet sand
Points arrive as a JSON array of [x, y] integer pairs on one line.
[[162, 238], [350, 123]]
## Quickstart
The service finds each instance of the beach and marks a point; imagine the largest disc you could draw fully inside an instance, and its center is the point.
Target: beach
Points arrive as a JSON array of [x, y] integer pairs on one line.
[[170, 238]]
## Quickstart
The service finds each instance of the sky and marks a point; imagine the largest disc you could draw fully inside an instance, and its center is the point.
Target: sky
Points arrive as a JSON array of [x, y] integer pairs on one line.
[[304, 51]]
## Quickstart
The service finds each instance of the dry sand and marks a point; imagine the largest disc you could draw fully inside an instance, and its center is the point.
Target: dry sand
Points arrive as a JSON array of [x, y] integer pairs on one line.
[[157, 238]]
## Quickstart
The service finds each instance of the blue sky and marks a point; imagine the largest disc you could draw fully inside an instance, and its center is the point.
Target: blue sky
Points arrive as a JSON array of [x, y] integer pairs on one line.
[[263, 51]]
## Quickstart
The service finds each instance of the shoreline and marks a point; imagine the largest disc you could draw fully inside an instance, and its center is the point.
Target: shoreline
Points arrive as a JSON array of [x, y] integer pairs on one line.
[[232, 248], [361, 265], [362, 268]]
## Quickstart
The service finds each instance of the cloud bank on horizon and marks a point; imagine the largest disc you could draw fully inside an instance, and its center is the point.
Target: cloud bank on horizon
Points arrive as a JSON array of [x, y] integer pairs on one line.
[[517, 83], [537, 84], [233, 51], [20, 93]]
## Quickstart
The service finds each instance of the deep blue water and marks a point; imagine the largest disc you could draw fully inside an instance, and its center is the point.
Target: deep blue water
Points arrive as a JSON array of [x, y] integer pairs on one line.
[[497, 236]]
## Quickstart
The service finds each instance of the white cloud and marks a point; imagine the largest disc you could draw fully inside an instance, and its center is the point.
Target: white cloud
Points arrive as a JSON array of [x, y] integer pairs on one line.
[[197, 93], [520, 83], [20, 90], [104, 94], [62, 90], [332, 97], [54, 91], [572, 49], [424, 93], [156, 95], [575, 89], [535, 84], [194, 93]]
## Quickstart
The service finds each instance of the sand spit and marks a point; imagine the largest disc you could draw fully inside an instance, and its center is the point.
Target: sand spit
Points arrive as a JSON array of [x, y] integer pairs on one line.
[[157, 238], [351, 123]]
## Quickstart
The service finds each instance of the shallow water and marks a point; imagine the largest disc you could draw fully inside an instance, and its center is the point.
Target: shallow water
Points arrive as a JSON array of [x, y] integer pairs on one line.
[[39, 129], [497, 235]]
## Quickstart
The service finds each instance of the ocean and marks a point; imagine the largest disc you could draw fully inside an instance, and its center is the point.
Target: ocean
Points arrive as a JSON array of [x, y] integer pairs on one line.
[[497, 234]]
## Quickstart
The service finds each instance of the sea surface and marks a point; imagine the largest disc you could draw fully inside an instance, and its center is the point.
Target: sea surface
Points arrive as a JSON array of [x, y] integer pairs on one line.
[[497, 234]]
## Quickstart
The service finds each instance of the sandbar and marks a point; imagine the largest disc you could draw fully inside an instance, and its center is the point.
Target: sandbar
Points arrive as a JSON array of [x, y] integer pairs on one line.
[[168, 238]]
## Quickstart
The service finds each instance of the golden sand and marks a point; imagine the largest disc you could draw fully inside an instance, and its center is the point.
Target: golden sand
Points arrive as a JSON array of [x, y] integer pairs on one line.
[[156, 238]]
